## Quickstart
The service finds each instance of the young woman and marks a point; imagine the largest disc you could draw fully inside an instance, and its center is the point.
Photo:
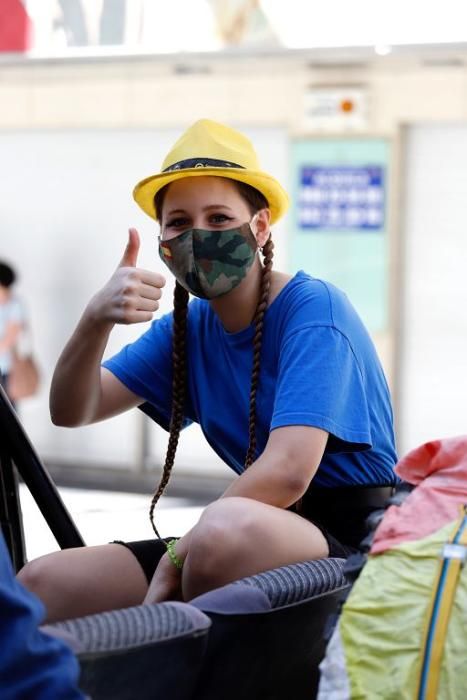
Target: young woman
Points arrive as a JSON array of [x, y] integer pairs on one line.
[[279, 371]]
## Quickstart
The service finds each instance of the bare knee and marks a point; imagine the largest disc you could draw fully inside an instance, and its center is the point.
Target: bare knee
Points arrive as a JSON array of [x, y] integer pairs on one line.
[[222, 529], [217, 541], [41, 576]]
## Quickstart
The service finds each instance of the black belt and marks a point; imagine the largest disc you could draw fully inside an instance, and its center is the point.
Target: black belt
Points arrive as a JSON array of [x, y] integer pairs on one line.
[[365, 496], [323, 499]]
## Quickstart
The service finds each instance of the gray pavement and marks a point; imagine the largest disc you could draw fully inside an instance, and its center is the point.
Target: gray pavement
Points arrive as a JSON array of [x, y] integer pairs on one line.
[[103, 516]]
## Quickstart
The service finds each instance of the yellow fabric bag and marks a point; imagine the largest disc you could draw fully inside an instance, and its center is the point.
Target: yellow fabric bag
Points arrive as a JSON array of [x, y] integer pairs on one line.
[[402, 634]]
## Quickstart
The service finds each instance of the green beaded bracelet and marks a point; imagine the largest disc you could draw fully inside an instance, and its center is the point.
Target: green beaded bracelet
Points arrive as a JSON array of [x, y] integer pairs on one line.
[[176, 561]]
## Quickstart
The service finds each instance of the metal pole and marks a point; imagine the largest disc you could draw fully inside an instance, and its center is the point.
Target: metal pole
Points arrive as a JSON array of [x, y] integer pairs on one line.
[[18, 449]]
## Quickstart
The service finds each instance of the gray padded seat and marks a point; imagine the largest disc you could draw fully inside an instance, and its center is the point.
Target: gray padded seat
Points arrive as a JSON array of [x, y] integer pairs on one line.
[[259, 637], [148, 651], [289, 584], [269, 632]]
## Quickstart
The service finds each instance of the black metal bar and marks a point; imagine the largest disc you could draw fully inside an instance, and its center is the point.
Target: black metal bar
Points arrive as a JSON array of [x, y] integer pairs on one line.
[[16, 444], [10, 511]]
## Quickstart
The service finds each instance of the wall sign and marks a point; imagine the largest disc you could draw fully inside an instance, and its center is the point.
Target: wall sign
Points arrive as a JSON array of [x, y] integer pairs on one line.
[[337, 109], [341, 198]]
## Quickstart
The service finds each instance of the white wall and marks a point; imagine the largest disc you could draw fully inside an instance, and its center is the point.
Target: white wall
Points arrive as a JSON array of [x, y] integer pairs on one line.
[[433, 381], [65, 211]]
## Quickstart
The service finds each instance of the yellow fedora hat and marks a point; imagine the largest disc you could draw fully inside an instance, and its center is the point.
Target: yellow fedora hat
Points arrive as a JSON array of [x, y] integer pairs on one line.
[[210, 148]]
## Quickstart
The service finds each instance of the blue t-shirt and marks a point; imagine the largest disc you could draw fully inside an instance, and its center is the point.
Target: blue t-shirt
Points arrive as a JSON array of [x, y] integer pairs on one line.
[[32, 664], [318, 368]]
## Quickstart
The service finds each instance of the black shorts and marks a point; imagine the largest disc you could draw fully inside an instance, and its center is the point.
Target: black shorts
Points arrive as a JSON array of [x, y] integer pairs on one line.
[[149, 552], [339, 513]]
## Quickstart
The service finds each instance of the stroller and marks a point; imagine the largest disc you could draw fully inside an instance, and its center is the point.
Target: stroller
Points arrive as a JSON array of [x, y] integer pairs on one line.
[[261, 637]]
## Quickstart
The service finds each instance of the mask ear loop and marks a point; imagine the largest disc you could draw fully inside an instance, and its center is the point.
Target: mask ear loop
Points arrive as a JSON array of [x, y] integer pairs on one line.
[[251, 222], [260, 248]]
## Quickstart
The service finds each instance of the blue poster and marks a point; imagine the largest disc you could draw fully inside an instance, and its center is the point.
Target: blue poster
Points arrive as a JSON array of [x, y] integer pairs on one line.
[[341, 198]]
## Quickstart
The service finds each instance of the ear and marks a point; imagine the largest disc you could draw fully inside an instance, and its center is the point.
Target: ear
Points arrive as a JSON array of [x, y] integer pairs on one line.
[[262, 226]]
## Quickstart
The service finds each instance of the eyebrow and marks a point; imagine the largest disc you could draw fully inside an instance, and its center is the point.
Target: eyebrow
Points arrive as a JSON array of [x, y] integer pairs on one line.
[[209, 207]]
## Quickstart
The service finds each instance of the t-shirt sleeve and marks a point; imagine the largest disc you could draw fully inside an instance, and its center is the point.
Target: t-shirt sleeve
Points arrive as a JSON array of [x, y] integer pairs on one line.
[[320, 384], [145, 367], [15, 312]]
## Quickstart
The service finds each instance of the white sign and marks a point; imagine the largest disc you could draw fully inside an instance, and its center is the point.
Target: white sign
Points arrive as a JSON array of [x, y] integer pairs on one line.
[[336, 109]]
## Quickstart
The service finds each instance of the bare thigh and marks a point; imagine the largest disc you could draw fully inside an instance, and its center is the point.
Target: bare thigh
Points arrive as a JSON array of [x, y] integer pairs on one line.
[[238, 537], [85, 580]]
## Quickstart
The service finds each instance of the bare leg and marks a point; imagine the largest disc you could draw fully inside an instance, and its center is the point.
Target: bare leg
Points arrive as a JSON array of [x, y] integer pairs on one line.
[[85, 580], [238, 537], [235, 537]]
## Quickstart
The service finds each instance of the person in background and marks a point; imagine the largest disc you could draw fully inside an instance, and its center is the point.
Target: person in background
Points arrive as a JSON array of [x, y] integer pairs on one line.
[[33, 665], [277, 369], [11, 321]]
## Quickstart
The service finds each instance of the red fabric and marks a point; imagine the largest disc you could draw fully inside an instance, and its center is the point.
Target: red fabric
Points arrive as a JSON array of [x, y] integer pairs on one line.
[[439, 471], [15, 26]]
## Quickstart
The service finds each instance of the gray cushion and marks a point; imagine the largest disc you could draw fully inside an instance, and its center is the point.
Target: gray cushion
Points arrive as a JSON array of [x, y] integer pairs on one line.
[[130, 627], [295, 582], [233, 599]]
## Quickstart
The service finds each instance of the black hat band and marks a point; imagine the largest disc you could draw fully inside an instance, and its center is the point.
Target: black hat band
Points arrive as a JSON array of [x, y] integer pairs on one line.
[[201, 163]]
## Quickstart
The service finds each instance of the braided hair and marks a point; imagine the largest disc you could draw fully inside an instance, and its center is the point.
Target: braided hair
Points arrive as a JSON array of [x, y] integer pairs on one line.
[[178, 391], [256, 201]]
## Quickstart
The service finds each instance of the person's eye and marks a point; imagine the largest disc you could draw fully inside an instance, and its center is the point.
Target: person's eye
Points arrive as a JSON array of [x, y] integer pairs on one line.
[[220, 218], [177, 223]]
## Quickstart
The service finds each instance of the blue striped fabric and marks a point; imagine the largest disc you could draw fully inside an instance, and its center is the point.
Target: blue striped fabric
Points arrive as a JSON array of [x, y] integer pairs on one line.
[[295, 582]]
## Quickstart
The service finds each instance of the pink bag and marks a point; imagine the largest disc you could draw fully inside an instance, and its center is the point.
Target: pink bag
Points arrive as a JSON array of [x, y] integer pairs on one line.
[[23, 377]]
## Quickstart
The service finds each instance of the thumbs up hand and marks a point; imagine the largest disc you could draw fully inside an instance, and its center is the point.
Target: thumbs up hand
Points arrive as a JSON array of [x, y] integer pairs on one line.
[[131, 295], [130, 255]]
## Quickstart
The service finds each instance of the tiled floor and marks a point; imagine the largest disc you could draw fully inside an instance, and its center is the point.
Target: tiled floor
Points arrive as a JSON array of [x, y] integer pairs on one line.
[[103, 516]]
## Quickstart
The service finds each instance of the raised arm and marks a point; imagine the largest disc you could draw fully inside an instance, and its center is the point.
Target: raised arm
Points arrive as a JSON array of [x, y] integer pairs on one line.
[[81, 391]]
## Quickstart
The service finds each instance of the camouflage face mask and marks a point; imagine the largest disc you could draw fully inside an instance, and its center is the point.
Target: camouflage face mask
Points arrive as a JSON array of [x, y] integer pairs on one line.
[[210, 263]]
